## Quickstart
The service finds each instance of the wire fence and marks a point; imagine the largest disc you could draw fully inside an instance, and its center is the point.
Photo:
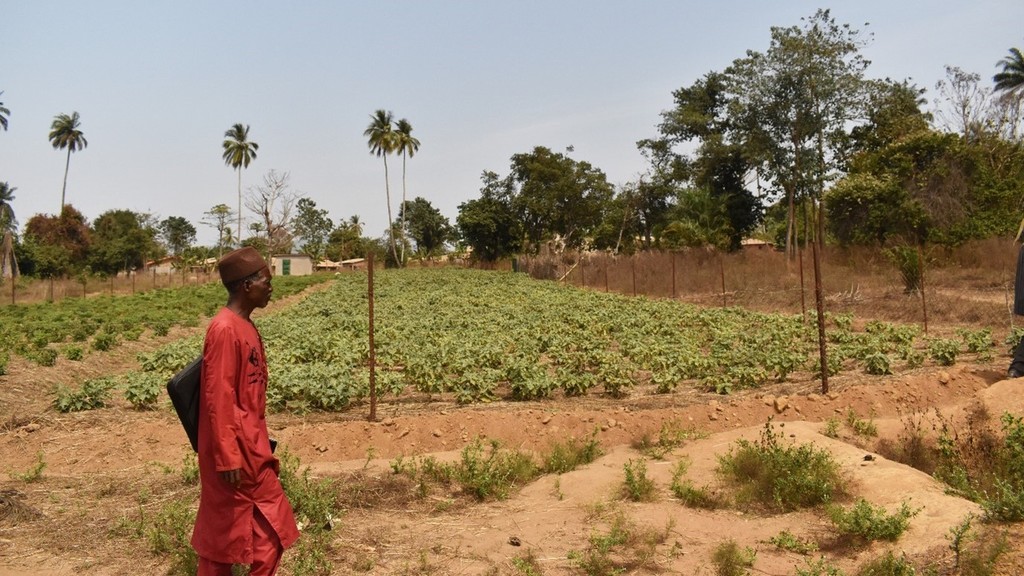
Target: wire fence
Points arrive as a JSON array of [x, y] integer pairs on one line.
[[971, 285], [25, 290]]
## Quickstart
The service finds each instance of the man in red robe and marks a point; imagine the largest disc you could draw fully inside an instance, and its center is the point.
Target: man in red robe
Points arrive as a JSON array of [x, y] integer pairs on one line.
[[244, 516]]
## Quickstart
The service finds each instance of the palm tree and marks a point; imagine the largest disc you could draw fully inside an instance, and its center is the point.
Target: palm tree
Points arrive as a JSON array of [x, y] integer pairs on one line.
[[64, 133], [382, 141], [1011, 79], [239, 151], [8, 227], [407, 145], [4, 113]]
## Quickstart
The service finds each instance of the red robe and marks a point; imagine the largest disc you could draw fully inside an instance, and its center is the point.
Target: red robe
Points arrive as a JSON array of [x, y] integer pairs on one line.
[[233, 435]]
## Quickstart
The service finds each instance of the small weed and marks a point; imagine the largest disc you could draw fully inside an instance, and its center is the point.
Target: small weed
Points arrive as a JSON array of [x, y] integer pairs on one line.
[[74, 352], [493, 474], [311, 555], [783, 477], [671, 436], [831, 428], [690, 495], [887, 565], [637, 486], [527, 565], [819, 567], [860, 426], [625, 547], [34, 473], [912, 447], [868, 523], [566, 456], [143, 389], [731, 560], [975, 554], [315, 501], [785, 540], [190, 468]]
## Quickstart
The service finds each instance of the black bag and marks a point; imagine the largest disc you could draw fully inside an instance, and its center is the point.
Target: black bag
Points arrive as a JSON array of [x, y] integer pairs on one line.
[[183, 388]]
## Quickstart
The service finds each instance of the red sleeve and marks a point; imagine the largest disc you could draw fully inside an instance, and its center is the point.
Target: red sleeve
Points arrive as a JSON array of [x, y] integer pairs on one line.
[[220, 362]]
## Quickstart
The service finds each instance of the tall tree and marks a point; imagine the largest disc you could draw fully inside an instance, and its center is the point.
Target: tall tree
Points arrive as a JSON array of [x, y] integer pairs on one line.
[[239, 151], [558, 198], [313, 226], [8, 229], [272, 203], [407, 145], [1011, 78], [427, 227], [489, 225], [219, 218], [381, 139], [346, 241], [4, 114], [177, 233], [121, 240], [65, 133], [58, 245]]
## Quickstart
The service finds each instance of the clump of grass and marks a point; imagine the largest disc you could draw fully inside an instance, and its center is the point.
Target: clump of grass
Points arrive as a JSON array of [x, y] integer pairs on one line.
[[34, 472], [190, 468], [637, 486], [887, 564], [527, 564], [789, 542], [819, 567], [860, 426], [566, 456], [690, 495], [781, 476], [731, 560], [671, 436], [831, 428], [623, 548], [868, 523], [482, 473]]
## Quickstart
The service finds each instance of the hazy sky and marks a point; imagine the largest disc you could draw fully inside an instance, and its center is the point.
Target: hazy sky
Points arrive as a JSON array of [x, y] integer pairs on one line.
[[158, 83]]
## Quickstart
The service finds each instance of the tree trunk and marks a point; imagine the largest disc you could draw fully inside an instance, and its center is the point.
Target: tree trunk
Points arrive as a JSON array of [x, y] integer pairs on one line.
[[401, 261], [64, 189], [238, 235], [387, 194]]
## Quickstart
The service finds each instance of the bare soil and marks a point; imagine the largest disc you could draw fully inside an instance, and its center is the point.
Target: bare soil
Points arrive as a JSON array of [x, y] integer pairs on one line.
[[106, 465]]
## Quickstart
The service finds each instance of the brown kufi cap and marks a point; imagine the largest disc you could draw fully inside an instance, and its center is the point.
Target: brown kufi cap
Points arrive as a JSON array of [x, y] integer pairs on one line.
[[239, 264]]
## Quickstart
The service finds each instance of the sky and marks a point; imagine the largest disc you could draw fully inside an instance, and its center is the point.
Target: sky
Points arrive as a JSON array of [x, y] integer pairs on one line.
[[157, 84]]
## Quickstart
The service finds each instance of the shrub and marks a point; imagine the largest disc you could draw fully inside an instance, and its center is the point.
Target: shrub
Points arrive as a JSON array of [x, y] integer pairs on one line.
[[868, 523], [74, 353], [877, 364], [104, 341], [44, 356], [5, 357], [731, 560], [780, 476], [906, 261], [493, 474], [860, 426], [313, 500], [671, 436], [819, 567]]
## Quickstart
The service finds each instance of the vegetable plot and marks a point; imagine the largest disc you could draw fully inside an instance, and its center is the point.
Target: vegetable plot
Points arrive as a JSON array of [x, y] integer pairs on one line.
[[483, 336]]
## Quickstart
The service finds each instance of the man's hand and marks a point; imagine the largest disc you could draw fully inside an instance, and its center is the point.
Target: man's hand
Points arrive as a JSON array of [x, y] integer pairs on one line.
[[233, 477]]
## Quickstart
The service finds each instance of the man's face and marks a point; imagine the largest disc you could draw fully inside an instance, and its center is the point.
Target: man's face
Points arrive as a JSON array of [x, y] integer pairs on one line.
[[259, 290]]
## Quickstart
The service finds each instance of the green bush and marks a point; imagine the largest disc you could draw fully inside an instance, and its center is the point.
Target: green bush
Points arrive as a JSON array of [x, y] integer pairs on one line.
[[731, 560], [690, 495], [785, 540], [44, 356], [877, 364], [887, 565], [868, 523], [104, 341], [74, 353], [494, 473], [784, 477]]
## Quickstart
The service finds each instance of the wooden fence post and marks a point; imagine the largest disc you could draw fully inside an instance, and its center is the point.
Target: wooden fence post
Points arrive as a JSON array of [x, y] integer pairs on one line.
[[373, 356]]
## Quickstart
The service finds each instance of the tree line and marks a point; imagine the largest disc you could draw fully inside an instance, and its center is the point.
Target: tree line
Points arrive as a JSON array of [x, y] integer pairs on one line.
[[795, 144]]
